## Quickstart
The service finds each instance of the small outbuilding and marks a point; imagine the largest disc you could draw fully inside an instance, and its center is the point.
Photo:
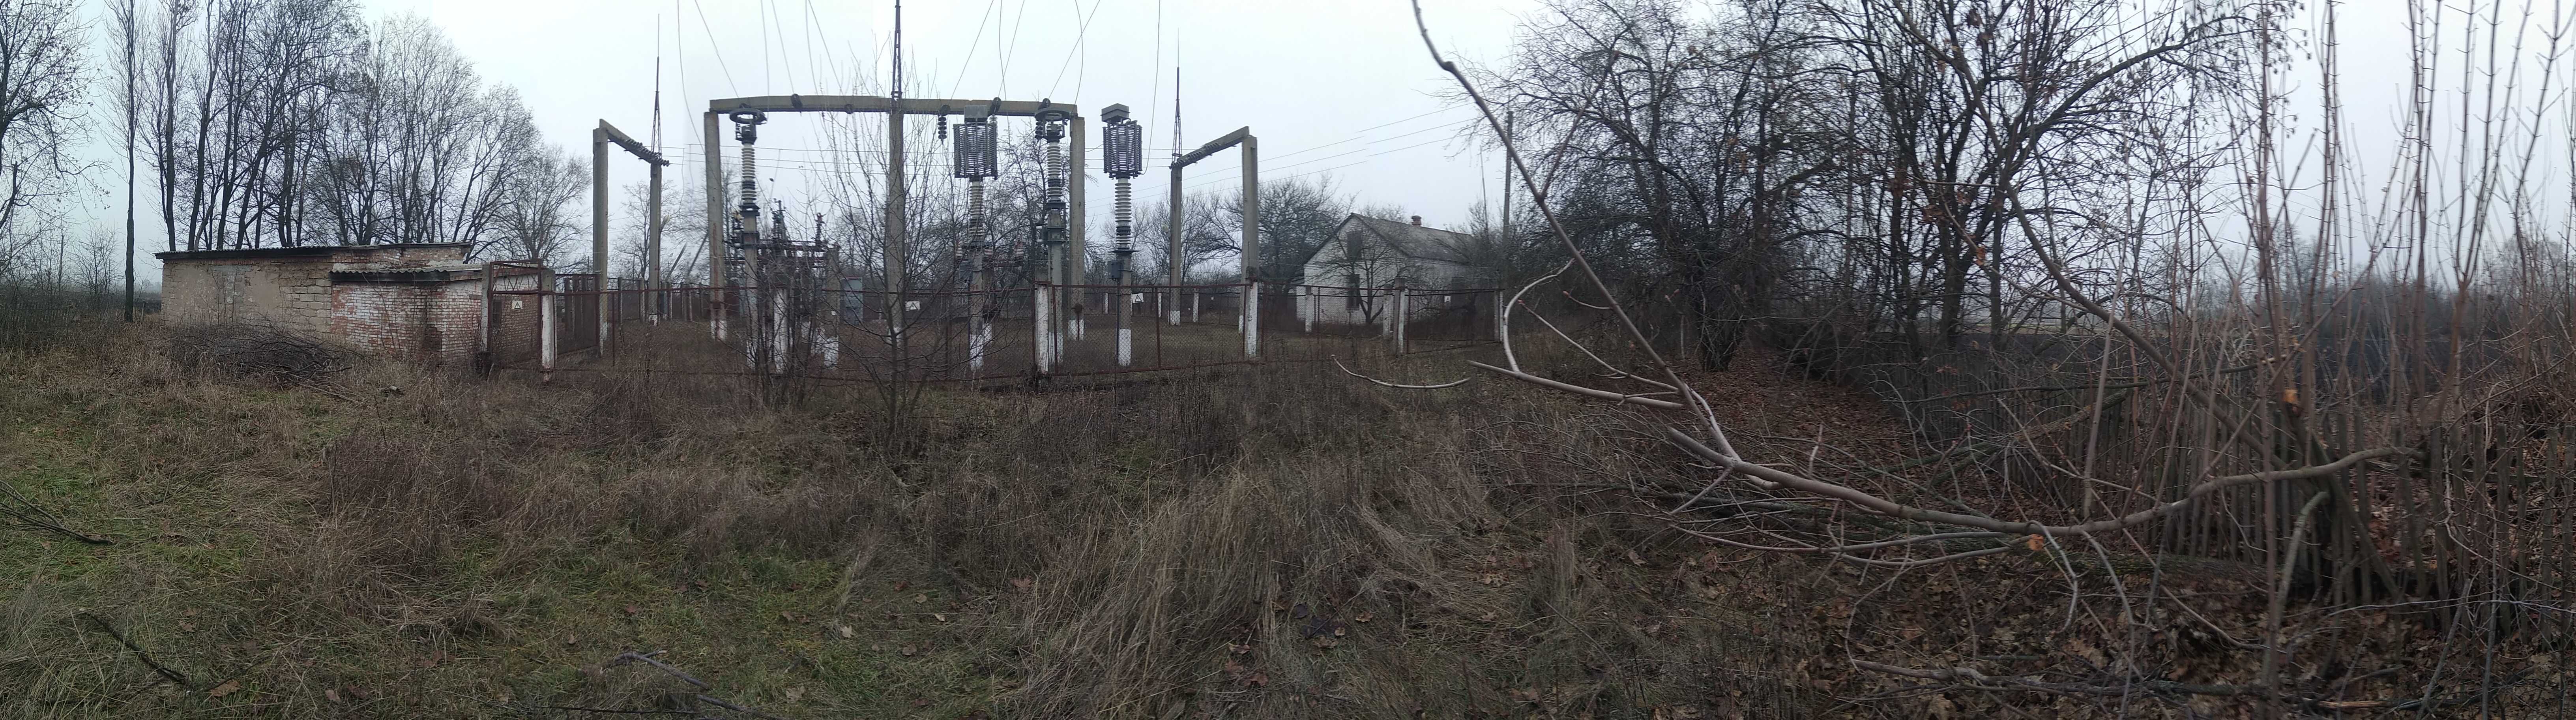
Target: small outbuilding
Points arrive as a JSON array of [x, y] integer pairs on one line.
[[1346, 281], [418, 302]]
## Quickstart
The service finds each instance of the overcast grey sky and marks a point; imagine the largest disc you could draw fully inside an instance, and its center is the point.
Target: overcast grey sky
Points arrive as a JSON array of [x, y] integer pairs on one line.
[[1338, 88], [1332, 87]]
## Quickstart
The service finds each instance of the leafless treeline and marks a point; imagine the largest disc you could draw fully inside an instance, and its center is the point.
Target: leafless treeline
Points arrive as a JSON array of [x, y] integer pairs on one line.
[[294, 122], [2128, 272], [41, 84]]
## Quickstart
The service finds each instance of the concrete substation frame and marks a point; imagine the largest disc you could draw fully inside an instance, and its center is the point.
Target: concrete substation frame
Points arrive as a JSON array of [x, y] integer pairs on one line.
[[1249, 316], [600, 138], [897, 234]]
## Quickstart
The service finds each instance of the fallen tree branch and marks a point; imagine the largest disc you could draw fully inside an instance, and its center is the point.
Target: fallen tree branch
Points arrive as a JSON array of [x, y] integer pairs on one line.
[[720, 702], [647, 658], [1969, 677], [139, 654], [1775, 477], [1337, 362], [1574, 251], [1581, 390], [36, 516], [610, 711], [2123, 385]]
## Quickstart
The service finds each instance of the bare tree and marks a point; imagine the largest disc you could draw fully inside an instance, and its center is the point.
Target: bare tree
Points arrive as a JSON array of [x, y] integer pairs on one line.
[[289, 122], [41, 85], [94, 269], [538, 218], [2142, 363]]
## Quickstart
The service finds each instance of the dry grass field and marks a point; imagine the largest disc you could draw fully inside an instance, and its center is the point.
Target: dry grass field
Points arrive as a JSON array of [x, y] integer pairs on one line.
[[1273, 541]]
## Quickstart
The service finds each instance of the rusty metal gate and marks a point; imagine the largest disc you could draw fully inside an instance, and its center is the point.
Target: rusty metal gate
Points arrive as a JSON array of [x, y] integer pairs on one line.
[[576, 312]]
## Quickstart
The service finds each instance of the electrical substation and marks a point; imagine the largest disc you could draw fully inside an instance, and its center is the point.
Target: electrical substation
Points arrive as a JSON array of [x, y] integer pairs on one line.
[[925, 299]]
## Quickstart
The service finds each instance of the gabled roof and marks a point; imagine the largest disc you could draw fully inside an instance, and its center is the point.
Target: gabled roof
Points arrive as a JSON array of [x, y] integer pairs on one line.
[[1410, 240]]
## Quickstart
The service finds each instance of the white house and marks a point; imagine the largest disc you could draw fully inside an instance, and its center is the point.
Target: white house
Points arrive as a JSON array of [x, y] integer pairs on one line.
[[1349, 278]]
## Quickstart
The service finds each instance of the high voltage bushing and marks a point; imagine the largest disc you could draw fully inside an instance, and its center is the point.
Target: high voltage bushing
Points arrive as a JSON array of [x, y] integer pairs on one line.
[[747, 131], [1051, 122]]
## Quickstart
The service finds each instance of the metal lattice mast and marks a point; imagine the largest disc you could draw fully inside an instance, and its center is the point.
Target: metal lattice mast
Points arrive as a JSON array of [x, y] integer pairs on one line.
[[1172, 236]]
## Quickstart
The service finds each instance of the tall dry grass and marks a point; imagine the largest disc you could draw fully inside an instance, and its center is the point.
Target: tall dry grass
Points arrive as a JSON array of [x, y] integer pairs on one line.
[[1275, 542]]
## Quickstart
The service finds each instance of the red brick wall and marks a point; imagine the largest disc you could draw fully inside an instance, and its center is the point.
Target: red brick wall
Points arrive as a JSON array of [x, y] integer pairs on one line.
[[455, 322], [432, 323], [382, 318]]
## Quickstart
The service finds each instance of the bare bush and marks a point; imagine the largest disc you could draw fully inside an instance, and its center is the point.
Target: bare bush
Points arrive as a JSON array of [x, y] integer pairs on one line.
[[255, 350]]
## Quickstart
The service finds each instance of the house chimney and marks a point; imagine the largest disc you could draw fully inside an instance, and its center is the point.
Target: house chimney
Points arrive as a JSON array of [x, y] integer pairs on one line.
[[1417, 221]]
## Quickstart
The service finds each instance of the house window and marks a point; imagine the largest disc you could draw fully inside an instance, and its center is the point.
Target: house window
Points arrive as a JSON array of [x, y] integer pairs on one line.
[[1351, 296]]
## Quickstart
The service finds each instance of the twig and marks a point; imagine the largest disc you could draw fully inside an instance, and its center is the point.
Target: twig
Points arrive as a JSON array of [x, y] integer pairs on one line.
[[1774, 477], [2123, 385], [1580, 390], [1574, 251], [139, 654], [648, 660], [1971, 678], [1337, 362], [317, 387], [37, 516], [719, 702]]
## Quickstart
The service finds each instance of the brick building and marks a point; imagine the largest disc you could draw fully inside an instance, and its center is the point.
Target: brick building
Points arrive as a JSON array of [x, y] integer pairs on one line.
[[419, 302]]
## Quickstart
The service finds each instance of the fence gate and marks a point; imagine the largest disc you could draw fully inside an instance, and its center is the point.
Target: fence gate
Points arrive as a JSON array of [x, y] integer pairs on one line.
[[1458, 314], [576, 313]]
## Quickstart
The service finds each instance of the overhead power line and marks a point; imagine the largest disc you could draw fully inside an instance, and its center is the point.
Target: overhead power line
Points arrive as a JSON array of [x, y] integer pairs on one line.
[[971, 48], [714, 47], [1081, 30], [1221, 169]]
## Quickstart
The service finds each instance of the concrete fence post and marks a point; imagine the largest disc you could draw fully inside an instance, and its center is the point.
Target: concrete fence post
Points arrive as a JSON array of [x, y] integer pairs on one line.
[[483, 333], [1043, 315], [979, 337], [546, 325], [780, 342], [1385, 309], [1400, 314], [1252, 320], [1124, 305], [1313, 307]]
